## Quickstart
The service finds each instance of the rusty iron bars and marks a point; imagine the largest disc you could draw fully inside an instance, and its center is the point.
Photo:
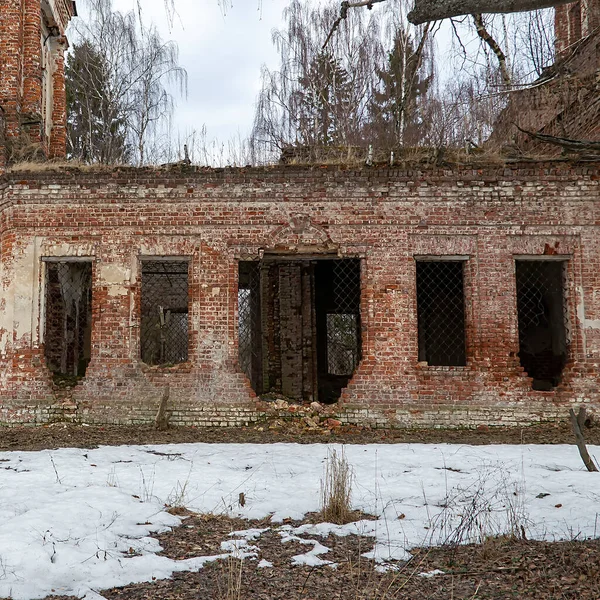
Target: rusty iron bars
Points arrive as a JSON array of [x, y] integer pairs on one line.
[[164, 312], [67, 329], [441, 312], [543, 320]]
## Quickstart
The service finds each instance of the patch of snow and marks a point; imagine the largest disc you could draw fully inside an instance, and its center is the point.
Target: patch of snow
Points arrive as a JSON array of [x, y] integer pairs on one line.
[[77, 521], [249, 534], [264, 564], [431, 574], [310, 558], [239, 549]]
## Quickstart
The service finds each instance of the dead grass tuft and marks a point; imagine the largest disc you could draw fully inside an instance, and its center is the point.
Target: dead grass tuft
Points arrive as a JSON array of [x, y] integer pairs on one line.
[[230, 584], [336, 489]]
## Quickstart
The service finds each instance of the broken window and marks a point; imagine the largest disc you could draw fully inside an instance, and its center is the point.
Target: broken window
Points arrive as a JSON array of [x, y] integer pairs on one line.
[[68, 317], [543, 320], [441, 312], [299, 325], [164, 312]]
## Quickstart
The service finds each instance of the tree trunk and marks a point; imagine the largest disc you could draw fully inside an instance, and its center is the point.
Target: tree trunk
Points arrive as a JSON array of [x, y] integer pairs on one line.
[[577, 423], [433, 10]]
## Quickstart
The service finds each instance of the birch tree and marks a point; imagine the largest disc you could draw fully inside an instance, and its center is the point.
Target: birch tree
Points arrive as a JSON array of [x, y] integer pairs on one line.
[[130, 77]]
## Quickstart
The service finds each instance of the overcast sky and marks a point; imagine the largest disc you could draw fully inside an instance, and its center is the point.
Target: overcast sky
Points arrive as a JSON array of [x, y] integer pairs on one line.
[[222, 54]]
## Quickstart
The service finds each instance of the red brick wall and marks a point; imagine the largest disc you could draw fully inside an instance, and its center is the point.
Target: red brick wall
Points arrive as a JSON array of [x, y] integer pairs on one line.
[[385, 217], [574, 21], [57, 147], [21, 73], [564, 105]]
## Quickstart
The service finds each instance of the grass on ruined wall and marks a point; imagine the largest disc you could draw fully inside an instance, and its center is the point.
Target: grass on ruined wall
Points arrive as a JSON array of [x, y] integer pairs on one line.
[[56, 165], [355, 158]]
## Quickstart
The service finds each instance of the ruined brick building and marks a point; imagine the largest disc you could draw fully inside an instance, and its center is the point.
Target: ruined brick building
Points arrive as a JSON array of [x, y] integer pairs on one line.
[[32, 82], [401, 296], [564, 101]]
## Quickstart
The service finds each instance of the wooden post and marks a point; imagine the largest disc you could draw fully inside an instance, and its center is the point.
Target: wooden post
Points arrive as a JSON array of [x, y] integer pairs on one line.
[[162, 420], [577, 422]]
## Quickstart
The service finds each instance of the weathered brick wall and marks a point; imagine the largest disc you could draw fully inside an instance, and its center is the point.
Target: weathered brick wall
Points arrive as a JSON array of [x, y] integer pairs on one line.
[[21, 74], [573, 21], [565, 104], [383, 216]]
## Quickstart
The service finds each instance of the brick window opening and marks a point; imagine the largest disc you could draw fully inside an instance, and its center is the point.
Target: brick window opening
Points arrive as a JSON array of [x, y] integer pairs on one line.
[[299, 326], [441, 312], [164, 312], [250, 323], [543, 320], [68, 318]]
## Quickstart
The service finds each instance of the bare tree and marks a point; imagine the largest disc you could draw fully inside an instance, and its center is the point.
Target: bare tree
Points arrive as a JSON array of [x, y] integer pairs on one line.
[[128, 80], [341, 91]]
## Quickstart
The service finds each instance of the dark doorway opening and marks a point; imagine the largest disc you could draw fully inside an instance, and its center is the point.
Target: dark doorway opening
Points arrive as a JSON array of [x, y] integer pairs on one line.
[[441, 312], [543, 320], [299, 329], [164, 312], [68, 319]]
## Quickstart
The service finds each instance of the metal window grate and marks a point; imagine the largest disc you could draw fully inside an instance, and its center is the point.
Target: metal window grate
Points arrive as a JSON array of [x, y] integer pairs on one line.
[[441, 313], [342, 344], [67, 338], [346, 285], [543, 320], [250, 321], [164, 312], [343, 318]]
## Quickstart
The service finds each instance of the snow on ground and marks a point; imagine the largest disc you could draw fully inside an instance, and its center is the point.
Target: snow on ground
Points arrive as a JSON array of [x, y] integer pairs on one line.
[[76, 521]]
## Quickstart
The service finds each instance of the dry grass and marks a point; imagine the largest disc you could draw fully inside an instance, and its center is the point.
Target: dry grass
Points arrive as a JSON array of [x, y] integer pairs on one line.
[[343, 157], [56, 165], [336, 489], [230, 584]]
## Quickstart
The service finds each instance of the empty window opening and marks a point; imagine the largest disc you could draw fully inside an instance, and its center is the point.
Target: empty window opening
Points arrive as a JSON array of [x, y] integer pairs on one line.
[[441, 312], [543, 320], [164, 312], [68, 319], [299, 326]]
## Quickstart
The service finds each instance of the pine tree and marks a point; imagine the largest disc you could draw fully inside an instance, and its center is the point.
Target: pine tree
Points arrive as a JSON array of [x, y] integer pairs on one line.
[[324, 102], [396, 108], [96, 128]]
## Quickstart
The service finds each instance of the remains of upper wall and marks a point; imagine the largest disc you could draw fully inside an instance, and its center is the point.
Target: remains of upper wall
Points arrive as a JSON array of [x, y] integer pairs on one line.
[[32, 85], [564, 101], [575, 21]]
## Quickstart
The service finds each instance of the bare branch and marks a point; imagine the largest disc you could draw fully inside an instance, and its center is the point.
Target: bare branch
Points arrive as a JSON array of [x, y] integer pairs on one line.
[[433, 10], [576, 421], [485, 36], [570, 145]]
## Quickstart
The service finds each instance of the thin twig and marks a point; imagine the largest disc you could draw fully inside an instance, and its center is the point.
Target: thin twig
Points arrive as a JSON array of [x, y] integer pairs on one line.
[[344, 14]]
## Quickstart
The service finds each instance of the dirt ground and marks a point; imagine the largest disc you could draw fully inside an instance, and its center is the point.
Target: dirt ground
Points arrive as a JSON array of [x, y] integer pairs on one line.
[[60, 435], [500, 568]]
